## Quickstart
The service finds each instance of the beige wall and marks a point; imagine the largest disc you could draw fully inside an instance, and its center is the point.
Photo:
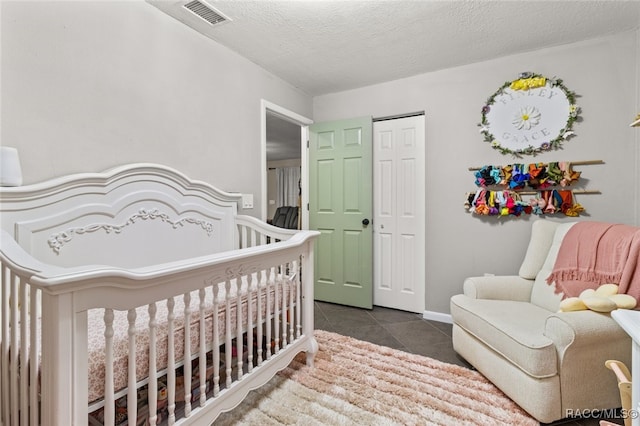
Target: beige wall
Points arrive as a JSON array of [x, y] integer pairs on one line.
[[603, 72], [90, 85]]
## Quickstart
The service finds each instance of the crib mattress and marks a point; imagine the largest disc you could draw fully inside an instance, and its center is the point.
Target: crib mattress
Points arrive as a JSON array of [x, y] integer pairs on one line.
[[276, 285]]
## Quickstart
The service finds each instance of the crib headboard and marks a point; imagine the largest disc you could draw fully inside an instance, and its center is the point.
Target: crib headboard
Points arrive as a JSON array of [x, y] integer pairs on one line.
[[130, 216]]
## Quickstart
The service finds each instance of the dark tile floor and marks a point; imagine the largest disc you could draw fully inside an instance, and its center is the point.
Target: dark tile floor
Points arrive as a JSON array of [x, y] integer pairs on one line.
[[405, 331]]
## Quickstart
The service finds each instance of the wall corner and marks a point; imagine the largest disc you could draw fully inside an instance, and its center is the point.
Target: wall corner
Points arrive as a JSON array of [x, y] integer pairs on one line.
[[637, 130]]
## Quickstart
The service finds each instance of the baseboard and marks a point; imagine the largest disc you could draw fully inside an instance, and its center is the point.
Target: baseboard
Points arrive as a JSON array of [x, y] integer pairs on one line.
[[437, 316]]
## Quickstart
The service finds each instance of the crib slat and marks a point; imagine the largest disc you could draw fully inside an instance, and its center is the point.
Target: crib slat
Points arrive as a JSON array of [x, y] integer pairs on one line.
[[282, 283], [297, 284], [227, 333], [259, 322], [132, 397], [216, 343], [276, 311], [187, 355], [4, 347], [239, 236], [243, 237], [152, 395], [239, 340], [109, 400], [202, 366], [13, 374], [171, 364], [24, 352], [34, 415], [250, 291], [268, 311], [291, 287]]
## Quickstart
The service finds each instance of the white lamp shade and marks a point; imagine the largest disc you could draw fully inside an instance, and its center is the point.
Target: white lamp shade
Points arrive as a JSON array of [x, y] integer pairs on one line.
[[10, 171]]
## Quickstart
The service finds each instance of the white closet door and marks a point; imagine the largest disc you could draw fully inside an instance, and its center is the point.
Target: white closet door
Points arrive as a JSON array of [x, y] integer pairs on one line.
[[399, 213]]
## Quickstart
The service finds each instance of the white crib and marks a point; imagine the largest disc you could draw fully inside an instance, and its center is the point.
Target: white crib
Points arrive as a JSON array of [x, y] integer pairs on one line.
[[140, 294]]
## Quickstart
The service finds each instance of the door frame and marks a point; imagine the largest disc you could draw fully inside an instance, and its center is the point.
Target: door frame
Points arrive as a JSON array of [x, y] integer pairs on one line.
[[304, 123]]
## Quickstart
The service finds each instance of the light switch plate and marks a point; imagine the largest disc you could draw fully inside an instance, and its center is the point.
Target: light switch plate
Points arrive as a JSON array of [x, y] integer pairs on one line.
[[247, 201]]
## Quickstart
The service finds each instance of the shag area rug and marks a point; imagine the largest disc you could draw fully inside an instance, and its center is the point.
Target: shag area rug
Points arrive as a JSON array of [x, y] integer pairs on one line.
[[359, 383]]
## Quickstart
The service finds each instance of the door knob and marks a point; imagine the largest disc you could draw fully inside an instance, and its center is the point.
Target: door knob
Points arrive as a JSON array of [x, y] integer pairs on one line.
[[365, 222]]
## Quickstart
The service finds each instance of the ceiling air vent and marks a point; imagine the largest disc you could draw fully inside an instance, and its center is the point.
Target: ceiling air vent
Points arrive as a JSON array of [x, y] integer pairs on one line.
[[206, 12]]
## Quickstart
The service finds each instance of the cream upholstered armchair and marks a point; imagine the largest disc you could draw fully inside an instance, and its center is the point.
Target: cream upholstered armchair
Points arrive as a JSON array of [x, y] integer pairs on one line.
[[550, 363]]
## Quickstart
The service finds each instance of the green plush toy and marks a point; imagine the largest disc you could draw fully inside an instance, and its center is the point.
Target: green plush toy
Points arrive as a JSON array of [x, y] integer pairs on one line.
[[603, 299]]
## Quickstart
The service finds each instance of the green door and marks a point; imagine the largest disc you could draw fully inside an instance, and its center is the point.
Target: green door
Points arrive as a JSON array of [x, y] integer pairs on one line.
[[340, 207]]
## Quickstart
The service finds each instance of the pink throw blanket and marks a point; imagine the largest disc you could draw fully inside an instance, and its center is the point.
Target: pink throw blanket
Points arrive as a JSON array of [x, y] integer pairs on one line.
[[595, 253]]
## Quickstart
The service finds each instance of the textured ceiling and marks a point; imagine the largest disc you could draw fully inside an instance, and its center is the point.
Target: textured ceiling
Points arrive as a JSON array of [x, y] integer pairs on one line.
[[329, 46]]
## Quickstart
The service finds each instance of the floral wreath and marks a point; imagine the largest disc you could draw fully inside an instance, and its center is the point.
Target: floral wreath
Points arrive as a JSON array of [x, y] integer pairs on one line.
[[529, 116]]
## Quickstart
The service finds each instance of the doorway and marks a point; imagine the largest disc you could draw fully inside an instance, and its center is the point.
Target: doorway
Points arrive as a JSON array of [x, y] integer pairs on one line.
[[284, 136], [399, 212], [398, 184]]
